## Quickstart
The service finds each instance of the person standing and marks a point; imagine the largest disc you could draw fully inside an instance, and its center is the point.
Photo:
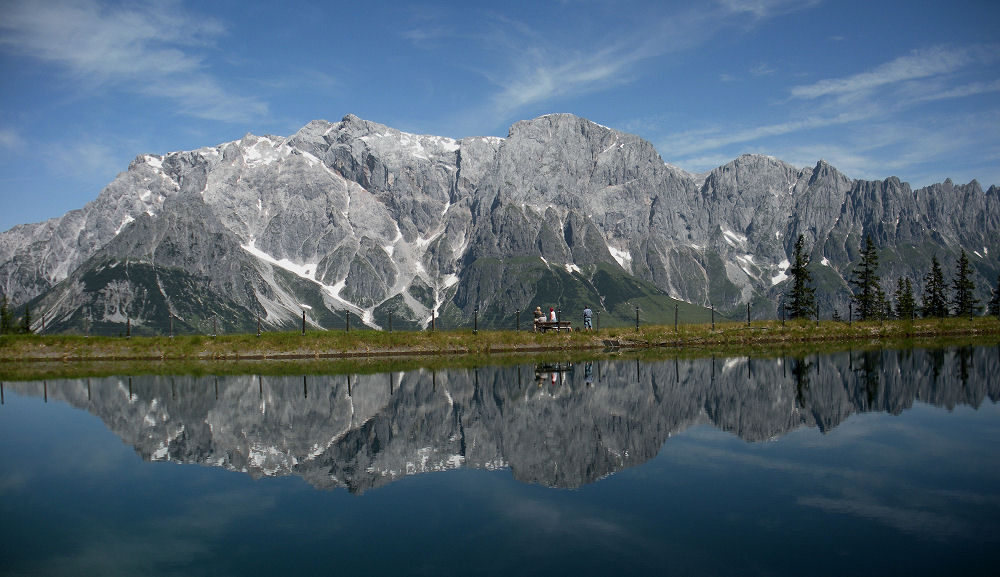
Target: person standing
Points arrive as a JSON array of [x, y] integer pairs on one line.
[[587, 316]]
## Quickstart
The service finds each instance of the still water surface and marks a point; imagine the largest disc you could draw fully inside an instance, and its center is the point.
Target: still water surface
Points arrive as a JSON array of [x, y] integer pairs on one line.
[[884, 462]]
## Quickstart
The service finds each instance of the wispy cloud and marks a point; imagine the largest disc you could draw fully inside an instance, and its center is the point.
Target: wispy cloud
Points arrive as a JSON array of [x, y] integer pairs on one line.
[[963, 91], [920, 64], [764, 8], [929, 524], [763, 69], [872, 112], [537, 69], [536, 63], [152, 49], [10, 139], [544, 78], [695, 142]]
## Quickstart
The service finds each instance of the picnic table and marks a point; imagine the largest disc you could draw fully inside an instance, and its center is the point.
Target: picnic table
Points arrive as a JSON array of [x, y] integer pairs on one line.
[[545, 326]]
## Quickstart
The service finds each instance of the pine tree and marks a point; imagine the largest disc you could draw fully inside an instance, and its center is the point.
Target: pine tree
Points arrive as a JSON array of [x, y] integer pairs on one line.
[[868, 294], [995, 301], [802, 300], [964, 301], [935, 303], [26, 321], [906, 305]]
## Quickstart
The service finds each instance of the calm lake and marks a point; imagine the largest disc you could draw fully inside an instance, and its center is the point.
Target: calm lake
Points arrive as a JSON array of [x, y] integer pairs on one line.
[[856, 463]]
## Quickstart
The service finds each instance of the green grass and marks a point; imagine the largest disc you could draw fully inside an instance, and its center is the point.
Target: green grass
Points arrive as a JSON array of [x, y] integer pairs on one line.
[[27, 356]]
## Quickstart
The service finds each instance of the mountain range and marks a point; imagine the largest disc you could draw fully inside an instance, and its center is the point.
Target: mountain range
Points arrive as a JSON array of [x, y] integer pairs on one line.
[[358, 219]]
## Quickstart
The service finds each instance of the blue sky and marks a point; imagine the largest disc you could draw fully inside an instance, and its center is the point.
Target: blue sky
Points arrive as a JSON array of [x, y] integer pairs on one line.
[[897, 88]]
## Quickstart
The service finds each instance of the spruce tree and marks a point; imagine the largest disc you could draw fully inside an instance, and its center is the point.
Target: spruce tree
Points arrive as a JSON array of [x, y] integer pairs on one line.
[[995, 301], [964, 300], [802, 300], [906, 305], [935, 304], [26, 321], [868, 293]]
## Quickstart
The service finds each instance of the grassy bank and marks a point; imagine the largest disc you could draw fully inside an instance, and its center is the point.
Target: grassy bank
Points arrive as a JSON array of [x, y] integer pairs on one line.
[[356, 350]]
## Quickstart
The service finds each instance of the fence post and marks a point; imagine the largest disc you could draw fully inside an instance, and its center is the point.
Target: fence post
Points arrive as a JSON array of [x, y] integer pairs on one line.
[[748, 315], [128, 328], [675, 317], [517, 320], [636, 319], [713, 316], [390, 321], [347, 322], [433, 314], [475, 321], [598, 313], [303, 322], [258, 326]]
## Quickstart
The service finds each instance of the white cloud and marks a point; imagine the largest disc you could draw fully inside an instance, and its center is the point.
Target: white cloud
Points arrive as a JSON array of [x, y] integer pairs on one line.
[[877, 132], [881, 149], [963, 91], [534, 68], [534, 64], [685, 144], [151, 49], [764, 8], [919, 64], [763, 69], [538, 81]]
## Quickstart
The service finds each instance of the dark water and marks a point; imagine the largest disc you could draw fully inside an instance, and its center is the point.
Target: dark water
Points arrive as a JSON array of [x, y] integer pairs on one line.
[[866, 463]]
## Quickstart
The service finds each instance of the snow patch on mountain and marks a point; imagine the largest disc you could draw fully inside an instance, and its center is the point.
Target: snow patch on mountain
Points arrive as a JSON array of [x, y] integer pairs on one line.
[[624, 257], [306, 271], [154, 161], [734, 239], [782, 272], [125, 222], [264, 150]]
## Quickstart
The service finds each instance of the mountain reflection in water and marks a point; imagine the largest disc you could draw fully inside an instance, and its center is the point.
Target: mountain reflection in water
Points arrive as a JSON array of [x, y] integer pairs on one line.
[[556, 424]]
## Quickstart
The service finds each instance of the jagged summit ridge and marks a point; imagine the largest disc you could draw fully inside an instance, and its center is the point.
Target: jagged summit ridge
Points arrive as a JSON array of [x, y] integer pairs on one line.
[[355, 216]]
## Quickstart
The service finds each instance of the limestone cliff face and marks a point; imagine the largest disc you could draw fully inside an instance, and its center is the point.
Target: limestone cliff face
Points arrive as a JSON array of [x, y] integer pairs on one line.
[[557, 425], [356, 217]]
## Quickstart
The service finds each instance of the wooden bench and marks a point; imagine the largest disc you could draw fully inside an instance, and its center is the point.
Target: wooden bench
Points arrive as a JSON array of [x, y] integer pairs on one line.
[[545, 326]]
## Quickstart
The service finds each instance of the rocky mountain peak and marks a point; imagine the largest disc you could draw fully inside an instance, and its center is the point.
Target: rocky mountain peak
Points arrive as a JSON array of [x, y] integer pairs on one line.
[[359, 217]]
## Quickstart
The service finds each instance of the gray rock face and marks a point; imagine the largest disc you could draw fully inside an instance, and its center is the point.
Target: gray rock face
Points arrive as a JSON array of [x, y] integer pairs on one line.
[[359, 217], [560, 426]]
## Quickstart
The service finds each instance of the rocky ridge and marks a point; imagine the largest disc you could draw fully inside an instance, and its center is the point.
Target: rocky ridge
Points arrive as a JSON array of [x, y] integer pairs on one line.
[[357, 218]]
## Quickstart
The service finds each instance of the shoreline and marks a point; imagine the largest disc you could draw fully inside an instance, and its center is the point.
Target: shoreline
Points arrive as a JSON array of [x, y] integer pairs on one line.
[[35, 356]]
